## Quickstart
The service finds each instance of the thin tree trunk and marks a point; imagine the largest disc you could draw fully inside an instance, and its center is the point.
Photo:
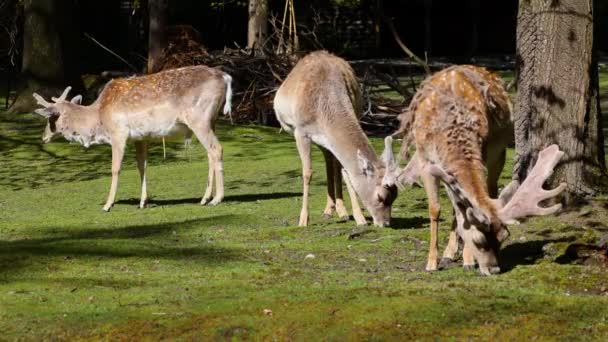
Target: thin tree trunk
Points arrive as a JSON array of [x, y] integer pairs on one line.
[[428, 33], [157, 39], [50, 61], [258, 23], [557, 100], [474, 9]]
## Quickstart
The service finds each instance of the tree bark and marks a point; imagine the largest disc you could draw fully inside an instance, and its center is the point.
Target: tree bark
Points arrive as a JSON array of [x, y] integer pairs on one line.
[[157, 35], [50, 60], [557, 99], [258, 23]]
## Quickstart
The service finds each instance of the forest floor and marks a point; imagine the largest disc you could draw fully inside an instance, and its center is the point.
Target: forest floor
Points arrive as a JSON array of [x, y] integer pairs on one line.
[[243, 270]]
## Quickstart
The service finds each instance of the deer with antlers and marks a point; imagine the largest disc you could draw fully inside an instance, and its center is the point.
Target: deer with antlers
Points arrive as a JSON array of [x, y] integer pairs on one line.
[[460, 120], [320, 101], [185, 100]]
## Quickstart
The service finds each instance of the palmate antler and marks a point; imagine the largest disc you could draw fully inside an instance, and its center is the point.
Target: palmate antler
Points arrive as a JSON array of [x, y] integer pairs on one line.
[[524, 201], [515, 201]]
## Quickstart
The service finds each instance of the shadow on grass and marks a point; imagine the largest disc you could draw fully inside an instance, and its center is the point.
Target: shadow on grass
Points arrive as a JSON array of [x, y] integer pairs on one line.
[[525, 253], [113, 243], [416, 222], [231, 198]]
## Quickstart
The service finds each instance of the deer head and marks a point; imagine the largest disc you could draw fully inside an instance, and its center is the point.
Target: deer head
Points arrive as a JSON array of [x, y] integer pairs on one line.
[[486, 228], [379, 197], [56, 113]]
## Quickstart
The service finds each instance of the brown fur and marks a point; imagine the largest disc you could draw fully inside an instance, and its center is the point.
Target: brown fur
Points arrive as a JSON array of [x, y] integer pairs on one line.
[[185, 100], [320, 101], [460, 120]]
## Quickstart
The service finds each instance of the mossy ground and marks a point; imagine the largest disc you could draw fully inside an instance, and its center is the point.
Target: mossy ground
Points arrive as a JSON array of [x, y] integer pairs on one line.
[[177, 270], [180, 270]]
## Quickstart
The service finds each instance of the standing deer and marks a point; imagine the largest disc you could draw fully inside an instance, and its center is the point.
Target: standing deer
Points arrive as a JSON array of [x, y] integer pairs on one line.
[[320, 102], [175, 101], [460, 119]]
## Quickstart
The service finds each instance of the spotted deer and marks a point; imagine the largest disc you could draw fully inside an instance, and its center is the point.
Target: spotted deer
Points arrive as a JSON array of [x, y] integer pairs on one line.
[[138, 109], [460, 120], [320, 102]]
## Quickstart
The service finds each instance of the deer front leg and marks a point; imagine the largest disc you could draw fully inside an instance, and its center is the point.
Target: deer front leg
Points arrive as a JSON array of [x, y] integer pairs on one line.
[[449, 254], [141, 153], [431, 187], [357, 213], [303, 144], [468, 258], [118, 150]]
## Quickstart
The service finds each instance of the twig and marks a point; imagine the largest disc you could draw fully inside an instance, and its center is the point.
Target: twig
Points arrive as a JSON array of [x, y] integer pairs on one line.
[[111, 52], [389, 22]]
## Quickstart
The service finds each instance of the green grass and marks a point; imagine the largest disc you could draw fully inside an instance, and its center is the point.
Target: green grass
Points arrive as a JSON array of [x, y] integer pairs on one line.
[[179, 270]]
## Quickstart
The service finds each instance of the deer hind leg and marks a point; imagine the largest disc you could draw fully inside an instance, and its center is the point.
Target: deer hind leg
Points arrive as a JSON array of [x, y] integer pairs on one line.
[[209, 140], [141, 152], [209, 190], [431, 186], [357, 213], [303, 144], [340, 207], [331, 193], [118, 151]]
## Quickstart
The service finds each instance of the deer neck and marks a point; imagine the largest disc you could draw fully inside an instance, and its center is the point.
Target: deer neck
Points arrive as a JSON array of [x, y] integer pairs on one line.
[[85, 126], [470, 176], [346, 146]]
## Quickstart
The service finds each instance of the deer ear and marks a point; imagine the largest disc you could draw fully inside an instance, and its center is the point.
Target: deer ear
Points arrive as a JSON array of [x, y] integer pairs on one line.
[[365, 165], [47, 112], [502, 235], [391, 170], [478, 218], [76, 99]]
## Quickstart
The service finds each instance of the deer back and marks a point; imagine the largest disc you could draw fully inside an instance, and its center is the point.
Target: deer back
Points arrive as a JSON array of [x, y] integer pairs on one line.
[[181, 88]]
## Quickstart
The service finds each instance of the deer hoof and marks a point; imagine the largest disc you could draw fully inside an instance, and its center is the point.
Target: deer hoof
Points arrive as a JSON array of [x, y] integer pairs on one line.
[[431, 266], [326, 216], [106, 208], [445, 263], [204, 201], [487, 271], [215, 202], [468, 268], [344, 218]]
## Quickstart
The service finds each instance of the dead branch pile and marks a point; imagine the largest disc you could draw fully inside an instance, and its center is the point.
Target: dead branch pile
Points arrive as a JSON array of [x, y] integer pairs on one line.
[[257, 76]]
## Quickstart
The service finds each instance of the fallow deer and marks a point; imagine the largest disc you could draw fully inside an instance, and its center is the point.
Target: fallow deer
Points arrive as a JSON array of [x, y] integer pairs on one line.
[[141, 108], [460, 119], [320, 101]]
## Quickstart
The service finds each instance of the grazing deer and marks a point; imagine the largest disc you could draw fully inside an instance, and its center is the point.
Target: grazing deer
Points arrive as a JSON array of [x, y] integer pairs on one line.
[[175, 101], [460, 119], [320, 102]]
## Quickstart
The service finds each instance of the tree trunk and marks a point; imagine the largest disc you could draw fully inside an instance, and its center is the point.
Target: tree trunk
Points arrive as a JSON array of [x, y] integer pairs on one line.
[[258, 23], [157, 38], [557, 99], [50, 61]]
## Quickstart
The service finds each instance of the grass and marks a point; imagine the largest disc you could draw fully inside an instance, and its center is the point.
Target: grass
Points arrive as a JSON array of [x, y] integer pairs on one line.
[[178, 270]]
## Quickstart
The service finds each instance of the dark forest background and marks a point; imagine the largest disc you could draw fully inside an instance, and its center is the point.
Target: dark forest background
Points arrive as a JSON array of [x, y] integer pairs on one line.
[[459, 29]]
